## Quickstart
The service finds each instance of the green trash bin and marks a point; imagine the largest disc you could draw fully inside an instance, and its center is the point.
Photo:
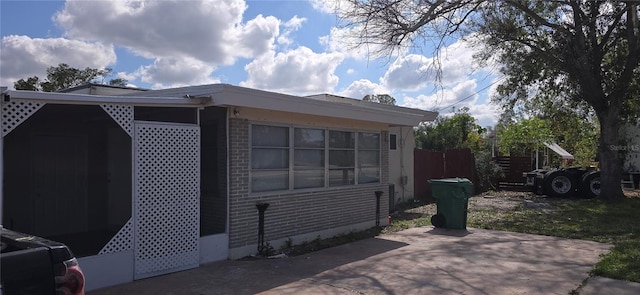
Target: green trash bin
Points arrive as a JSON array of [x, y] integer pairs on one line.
[[452, 199]]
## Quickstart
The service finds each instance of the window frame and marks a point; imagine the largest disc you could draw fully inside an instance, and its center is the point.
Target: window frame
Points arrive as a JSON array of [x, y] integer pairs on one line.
[[286, 148], [352, 168], [393, 142], [294, 148], [291, 148]]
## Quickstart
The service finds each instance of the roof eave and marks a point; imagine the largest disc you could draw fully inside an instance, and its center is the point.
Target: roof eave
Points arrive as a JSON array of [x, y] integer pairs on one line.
[[228, 95], [69, 98]]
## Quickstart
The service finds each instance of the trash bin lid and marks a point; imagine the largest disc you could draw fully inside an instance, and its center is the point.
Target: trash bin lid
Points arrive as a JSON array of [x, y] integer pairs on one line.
[[463, 183], [450, 180]]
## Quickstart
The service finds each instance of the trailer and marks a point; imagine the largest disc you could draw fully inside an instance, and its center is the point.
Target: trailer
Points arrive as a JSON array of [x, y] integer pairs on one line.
[[563, 182]]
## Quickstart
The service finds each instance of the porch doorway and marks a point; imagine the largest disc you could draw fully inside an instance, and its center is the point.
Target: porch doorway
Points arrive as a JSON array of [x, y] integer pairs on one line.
[[59, 193], [167, 198]]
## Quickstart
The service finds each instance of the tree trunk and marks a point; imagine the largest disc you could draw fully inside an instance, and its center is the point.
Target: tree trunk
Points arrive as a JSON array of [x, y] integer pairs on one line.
[[609, 154]]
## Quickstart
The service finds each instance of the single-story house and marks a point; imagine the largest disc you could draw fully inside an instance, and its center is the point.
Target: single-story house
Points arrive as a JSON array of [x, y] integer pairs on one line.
[[141, 183], [401, 146]]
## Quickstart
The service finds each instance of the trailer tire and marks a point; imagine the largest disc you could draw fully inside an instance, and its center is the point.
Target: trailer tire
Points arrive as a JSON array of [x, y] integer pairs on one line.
[[438, 220], [590, 185], [559, 184], [538, 186]]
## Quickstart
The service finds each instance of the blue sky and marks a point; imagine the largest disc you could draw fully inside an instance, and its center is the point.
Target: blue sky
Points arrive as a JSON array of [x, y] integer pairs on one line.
[[292, 47]]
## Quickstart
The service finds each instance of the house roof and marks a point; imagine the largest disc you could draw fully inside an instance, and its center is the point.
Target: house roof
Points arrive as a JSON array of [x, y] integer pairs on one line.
[[234, 96], [229, 95]]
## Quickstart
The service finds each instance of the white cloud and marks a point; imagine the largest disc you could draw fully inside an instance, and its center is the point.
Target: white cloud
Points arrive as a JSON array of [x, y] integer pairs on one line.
[[411, 72], [461, 95], [206, 30], [414, 72], [255, 38], [342, 40], [292, 25], [175, 72], [359, 88], [127, 76], [300, 71], [446, 97], [23, 57], [485, 114], [457, 62], [328, 6], [179, 36]]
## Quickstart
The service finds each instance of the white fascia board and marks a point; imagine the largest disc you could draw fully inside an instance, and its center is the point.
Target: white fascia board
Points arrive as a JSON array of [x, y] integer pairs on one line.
[[427, 115], [88, 99], [227, 95]]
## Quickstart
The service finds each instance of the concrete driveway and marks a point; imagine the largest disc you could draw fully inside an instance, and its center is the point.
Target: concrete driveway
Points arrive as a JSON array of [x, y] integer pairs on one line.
[[415, 261]]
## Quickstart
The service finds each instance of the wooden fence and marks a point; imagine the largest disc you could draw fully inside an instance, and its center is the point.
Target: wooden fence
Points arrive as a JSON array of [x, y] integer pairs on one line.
[[437, 165], [513, 167]]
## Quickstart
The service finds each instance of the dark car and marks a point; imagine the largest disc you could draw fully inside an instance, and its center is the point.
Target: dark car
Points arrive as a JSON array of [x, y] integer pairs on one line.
[[34, 265]]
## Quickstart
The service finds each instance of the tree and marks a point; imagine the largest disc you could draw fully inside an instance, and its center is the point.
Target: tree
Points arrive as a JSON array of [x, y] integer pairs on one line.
[[455, 132], [380, 98], [63, 77], [525, 136], [574, 50], [462, 131], [573, 128]]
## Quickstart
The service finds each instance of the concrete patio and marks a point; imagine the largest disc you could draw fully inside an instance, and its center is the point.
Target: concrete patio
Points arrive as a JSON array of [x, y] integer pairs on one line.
[[415, 261]]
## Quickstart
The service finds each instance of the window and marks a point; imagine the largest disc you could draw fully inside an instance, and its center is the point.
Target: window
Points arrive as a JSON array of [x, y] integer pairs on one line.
[[308, 158], [284, 158], [341, 158], [368, 157], [393, 142], [269, 158]]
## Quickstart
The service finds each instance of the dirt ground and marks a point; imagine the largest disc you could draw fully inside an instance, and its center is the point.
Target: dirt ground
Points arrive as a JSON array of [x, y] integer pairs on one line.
[[503, 201], [497, 200]]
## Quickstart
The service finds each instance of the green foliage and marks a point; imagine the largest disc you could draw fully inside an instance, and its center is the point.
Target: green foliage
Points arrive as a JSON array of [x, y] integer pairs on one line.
[[118, 82], [380, 98], [487, 171], [266, 250], [521, 138], [30, 84], [63, 76], [575, 131], [576, 134], [458, 131]]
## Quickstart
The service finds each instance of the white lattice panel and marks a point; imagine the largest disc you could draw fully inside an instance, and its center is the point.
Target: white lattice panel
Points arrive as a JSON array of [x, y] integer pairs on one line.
[[122, 241], [167, 205], [122, 114], [15, 112]]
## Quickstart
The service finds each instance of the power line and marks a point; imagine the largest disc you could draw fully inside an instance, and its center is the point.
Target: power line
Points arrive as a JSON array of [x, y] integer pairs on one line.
[[472, 95]]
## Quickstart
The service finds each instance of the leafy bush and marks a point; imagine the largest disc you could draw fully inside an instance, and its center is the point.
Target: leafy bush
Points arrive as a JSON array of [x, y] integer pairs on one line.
[[487, 171]]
